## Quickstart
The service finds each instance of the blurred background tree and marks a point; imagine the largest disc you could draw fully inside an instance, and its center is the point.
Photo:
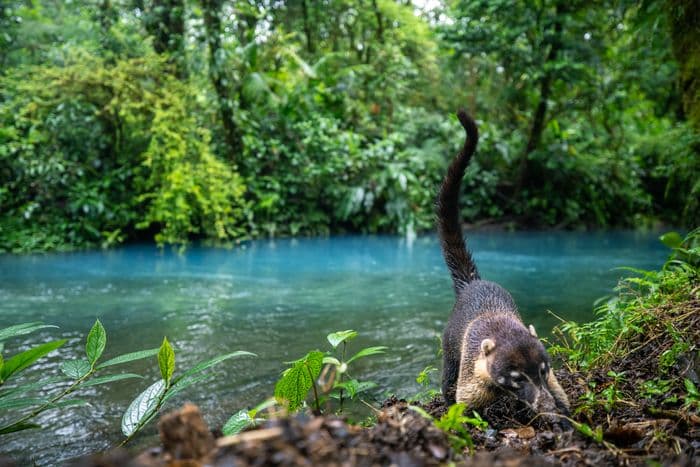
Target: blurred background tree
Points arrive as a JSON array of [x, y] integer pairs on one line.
[[177, 120]]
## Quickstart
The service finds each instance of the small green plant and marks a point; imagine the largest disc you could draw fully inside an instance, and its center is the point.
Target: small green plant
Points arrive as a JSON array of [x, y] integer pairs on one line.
[[293, 387], [55, 391], [454, 423], [425, 380], [246, 418], [147, 404], [692, 398]]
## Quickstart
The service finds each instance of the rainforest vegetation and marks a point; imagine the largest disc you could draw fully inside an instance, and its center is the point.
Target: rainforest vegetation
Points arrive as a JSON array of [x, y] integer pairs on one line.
[[222, 120]]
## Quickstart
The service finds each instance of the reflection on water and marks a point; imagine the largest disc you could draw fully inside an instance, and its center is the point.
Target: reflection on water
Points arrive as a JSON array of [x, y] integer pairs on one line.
[[279, 299]]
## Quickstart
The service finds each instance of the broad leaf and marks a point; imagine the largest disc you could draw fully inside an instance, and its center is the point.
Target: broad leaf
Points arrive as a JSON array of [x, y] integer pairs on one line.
[[335, 338], [75, 369], [296, 382], [110, 378], [22, 360], [166, 361], [238, 421], [367, 352], [142, 408], [128, 357], [96, 342], [21, 329]]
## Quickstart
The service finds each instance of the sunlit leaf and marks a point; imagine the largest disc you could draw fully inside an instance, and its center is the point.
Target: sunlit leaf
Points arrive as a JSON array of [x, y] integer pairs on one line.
[[22, 360], [166, 361], [96, 342], [335, 338]]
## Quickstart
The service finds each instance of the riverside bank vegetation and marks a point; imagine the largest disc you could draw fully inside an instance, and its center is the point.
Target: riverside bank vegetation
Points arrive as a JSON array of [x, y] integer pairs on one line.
[[177, 120]]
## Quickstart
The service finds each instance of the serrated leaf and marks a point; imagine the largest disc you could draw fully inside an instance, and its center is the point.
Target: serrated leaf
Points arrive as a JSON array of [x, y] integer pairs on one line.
[[198, 368], [367, 352], [335, 338], [166, 361], [21, 329], [296, 382], [237, 423], [19, 362], [142, 408], [96, 342], [128, 357], [110, 378], [15, 427], [75, 369]]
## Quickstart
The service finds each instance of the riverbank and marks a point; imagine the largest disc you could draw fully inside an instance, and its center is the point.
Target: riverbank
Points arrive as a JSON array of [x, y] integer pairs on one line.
[[631, 375]]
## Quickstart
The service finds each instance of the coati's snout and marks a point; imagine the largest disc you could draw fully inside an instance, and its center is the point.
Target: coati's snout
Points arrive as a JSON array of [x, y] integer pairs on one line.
[[520, 366]]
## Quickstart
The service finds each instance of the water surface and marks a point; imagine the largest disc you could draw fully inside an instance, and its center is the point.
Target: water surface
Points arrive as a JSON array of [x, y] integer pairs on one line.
[[279, 299]]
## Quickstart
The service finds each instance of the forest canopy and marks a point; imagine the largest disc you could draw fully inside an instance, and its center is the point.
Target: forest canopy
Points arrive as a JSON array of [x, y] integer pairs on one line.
[[177, 120]]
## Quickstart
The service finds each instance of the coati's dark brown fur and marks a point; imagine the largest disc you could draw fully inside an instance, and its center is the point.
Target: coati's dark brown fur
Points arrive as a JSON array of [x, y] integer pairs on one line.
[[486, 346]]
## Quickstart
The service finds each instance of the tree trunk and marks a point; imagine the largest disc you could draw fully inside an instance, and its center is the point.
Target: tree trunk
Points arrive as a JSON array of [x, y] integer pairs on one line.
[[684, 19], [165, 21], [307, 28], [212, 24], [539, 117]]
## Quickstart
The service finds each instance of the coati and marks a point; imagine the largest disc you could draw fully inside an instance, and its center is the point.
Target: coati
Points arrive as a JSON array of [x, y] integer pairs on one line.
[[486, 346]]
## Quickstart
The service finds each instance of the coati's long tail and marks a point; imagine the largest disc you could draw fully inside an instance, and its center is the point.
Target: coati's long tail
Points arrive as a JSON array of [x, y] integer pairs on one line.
[[458, 259]]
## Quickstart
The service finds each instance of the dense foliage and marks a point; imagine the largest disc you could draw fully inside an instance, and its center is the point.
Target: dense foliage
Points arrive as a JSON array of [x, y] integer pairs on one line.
[[176, 120]]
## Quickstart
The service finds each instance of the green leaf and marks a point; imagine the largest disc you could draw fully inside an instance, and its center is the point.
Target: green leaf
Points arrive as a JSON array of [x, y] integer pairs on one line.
[[20, 402], [142, 408], [367, 352], [298, 380], [110, 378], [15, 427], [238, 421], [335, 338], [262, 406], [671, 239], [128, 357], [183, 383], [21, 329], [75, 369], [198, 368], [96, 342], [331, 361], [24, 388], [166, 361], [22, 360]]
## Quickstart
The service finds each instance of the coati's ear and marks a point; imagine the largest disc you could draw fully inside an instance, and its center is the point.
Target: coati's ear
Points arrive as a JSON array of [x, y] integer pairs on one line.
[[531, 328], [487, 346]]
